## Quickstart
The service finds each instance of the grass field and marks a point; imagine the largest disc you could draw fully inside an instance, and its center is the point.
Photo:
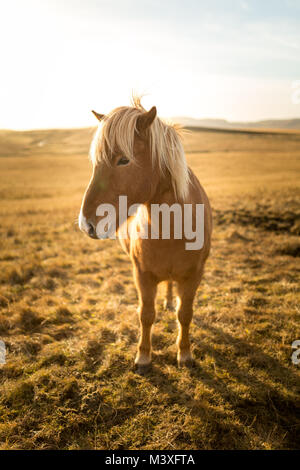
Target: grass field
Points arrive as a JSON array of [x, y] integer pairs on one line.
[[68, 306]]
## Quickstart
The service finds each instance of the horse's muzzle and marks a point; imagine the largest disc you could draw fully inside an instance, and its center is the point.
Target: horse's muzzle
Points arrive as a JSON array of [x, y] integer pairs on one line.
[[87, 226], [91, 230]]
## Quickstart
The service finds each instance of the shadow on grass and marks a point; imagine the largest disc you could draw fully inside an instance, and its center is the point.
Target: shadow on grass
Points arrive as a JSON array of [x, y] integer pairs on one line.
[[270, 405]]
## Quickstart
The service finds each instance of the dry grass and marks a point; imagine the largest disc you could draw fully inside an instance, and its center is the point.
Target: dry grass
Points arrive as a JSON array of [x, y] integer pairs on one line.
[[68, 307]]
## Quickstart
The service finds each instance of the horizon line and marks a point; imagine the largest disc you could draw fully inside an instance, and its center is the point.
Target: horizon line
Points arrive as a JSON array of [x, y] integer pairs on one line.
[[31, 129]]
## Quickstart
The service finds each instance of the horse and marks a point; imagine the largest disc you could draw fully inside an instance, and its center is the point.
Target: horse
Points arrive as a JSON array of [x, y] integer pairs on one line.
[[137, 154]]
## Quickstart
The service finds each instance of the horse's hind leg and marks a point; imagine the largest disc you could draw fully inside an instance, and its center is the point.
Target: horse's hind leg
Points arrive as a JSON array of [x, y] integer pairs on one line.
[[168, 302], [186, 293], [146, 285]]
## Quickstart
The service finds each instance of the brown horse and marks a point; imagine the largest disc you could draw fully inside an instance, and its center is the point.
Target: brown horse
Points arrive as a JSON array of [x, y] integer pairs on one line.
[[136, 154]]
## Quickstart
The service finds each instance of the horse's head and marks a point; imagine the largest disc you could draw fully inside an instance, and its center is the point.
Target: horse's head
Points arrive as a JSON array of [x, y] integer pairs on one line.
[[122, 165]]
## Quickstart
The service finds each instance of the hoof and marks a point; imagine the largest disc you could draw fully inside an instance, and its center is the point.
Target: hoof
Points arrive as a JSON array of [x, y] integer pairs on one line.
[[189, 363], [142, 369]]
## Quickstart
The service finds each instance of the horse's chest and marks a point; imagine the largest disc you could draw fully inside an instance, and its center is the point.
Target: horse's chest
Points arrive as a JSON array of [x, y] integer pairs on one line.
[[166, 259]]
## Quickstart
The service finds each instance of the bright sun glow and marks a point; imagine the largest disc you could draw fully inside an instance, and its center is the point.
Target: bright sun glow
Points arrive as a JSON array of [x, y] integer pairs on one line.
[[61, 59]]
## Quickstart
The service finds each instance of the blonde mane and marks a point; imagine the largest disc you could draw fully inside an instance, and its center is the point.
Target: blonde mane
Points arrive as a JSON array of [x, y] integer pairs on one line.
[[116, 131]]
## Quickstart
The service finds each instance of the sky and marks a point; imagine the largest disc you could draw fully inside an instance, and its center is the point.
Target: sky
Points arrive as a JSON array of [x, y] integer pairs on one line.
[[229, 59]]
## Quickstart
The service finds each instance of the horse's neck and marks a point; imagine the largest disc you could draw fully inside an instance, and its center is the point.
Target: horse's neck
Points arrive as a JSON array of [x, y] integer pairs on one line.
[[164, 193]]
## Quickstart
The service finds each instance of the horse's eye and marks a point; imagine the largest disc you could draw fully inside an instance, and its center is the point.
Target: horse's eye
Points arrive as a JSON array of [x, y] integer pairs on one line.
[[123, 161]]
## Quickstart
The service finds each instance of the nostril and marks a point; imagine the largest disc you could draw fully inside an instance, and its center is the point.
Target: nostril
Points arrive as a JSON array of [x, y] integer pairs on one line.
[[91, 229]]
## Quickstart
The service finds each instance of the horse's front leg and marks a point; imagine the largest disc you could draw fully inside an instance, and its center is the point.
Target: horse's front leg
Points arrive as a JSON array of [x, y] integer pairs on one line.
[[146, 286], [186, 293]]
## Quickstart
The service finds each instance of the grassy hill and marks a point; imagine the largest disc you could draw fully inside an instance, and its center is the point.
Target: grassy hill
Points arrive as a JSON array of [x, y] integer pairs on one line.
[[291, 124], [68, 306]]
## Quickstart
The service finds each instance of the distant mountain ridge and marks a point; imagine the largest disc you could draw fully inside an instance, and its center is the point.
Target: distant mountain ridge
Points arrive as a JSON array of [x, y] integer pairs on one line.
[[223, 124]]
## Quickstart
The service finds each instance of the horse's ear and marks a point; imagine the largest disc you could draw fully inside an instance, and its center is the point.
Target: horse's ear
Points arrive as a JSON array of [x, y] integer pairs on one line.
[[145, 120], [98, 116]]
